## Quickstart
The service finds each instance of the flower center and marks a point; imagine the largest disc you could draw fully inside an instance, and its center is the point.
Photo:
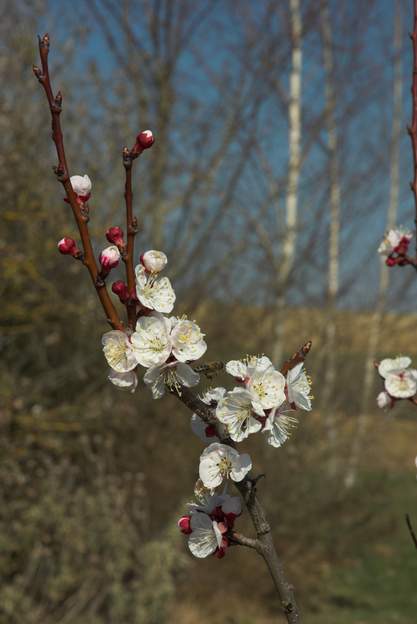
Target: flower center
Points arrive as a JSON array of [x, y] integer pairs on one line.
[[225, 466], [116, 353], [260, 390], [156, 344]]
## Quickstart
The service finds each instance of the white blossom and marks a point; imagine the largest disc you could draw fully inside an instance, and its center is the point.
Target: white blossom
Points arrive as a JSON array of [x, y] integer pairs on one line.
[[172, 375], [278, 426], [154, 292], [298, 387], [154, 261], [400, 380], [151, 340], [205, 537], [401, 384], [209, 502], [388, 365], [187, 340], [237, 411], [242, 369], [219, 462], [267, 387], [81, 185], [118, 351], [392, 240], [124, 381]]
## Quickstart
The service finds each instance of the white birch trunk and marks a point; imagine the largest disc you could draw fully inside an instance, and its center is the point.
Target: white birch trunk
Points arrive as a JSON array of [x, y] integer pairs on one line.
[[377, 317], [294, 165], [334, 223]]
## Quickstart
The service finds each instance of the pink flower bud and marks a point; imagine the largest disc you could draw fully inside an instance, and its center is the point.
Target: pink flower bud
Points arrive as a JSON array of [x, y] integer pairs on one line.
[[120, 289], [184, 525], [145, 139], [154, 261], [81, 186], [67, 246], [390, 261], [115, 235], [109, 257]]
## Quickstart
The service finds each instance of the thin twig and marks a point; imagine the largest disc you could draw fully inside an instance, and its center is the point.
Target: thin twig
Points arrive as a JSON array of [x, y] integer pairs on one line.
[[411, 530], [132, 228], [62, 173], [412, 130]]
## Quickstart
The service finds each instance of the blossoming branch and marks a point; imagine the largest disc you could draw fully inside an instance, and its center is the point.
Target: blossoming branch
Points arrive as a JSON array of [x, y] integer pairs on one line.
[[165, 350]]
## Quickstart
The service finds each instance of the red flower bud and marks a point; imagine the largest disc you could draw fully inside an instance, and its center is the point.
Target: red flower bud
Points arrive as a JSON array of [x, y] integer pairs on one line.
[[109, 257], [184, 525], [390, 261], [120, 289], [115, 235], [145, 139], [67, 246]]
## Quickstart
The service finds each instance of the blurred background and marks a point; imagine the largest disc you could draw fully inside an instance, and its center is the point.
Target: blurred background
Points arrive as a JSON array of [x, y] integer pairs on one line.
[[281, 156]]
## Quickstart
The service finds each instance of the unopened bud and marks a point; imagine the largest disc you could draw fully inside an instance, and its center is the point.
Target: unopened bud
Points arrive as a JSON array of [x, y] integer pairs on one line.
[[82, 186], [390, 262], [109, 257], [145, 139], [154, 261], [67, 246], [120, 289], [184, 525], [115, 235], [383, 400]]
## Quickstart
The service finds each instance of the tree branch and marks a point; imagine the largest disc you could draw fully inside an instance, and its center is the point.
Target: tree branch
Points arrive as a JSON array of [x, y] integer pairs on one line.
[[80, 211], [412, 130], [132, 228], [411, 530], [264, 544]]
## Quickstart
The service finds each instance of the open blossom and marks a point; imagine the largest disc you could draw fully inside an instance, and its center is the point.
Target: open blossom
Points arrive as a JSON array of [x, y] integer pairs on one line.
[[125, 381], [187, 340], [151, 340], [237, 411], [81, 185], [209, 525], [298, 387], [172, 375], [400, 381], [154, 261], [242, 369], [154, 292], [110, 257], [219, 462], [118, 351], [278, 425], [395, 241], [207, 433], [266, 385]]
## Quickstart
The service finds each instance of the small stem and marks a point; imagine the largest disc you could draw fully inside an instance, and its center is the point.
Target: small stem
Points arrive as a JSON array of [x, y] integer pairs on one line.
[[62, 173], [411, 530], [132, 226]]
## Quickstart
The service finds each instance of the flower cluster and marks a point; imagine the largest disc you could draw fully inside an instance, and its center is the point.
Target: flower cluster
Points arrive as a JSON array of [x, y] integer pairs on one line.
[[263, 401], [395, 246], [209, 524], [163, 345], [400, 381]]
